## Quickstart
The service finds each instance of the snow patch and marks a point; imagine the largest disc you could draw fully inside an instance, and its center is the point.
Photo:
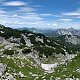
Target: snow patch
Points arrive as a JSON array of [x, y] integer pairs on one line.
[[49, 67]]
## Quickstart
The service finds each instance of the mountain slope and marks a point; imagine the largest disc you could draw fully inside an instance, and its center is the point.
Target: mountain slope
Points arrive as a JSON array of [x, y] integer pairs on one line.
[[29, 39], [24, 54]]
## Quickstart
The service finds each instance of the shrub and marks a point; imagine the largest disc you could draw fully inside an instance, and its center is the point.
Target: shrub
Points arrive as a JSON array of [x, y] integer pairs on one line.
[[8, 52], [8, 32], [26, 51], [23, 41], [45, 50], [21, 46]]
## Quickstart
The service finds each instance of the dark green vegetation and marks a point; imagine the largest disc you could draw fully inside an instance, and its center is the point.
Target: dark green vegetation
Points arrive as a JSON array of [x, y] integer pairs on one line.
[[26, 51], [48, 46], [8, 32], [22, 41], [8, 52], [57, 44], [61, 40], [45, 50]]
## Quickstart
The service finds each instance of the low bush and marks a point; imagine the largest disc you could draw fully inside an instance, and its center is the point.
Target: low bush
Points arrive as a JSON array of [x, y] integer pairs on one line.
[[8, 52], [26, 51]]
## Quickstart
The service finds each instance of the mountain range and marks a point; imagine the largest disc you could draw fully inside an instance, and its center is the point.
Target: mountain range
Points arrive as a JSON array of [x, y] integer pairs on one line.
[[26, 55]]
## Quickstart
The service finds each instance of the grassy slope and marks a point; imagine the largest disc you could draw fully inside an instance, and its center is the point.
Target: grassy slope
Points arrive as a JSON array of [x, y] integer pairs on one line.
[[59, 72], [25, 70], [70, 69]]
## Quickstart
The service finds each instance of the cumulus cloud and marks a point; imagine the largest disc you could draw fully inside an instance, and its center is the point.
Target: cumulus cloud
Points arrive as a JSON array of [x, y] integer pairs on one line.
[[15, 3]]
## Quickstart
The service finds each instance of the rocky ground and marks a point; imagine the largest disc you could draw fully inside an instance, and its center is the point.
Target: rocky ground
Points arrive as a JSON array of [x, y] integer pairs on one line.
[[12, 68], [30, 56]]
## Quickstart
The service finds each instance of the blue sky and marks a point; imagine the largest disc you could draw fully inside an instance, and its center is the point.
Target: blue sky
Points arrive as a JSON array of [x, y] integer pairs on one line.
[[40, 13]]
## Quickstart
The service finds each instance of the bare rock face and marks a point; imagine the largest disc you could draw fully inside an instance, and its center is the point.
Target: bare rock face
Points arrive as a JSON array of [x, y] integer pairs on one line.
[[69, 31], [1, 39], [72, 39], [28, 42], [14, 40], [39, 39], [21, 74], [9, 77], [2, 68]]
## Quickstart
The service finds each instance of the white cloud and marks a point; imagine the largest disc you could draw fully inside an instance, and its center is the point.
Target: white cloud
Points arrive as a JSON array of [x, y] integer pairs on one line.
[[49, 24], [42, 15], [65, 19], [32, 13], [55, 24], [3, 15], [71, 14], [2, 11], [15, 15], [26, 9], [46, 14], [32, 17], [78, 17], [15, 3]]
